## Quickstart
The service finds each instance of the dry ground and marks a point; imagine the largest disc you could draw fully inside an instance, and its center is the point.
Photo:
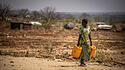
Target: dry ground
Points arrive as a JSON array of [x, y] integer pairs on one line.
[[57, 43], [32, 63]]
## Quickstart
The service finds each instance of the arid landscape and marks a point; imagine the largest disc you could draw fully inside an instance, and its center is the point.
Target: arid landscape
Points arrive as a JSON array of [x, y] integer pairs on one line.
[[39, 48], [41, 34]]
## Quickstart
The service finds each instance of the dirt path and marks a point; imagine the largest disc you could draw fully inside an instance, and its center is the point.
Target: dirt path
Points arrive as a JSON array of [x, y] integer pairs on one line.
[[32, 63]]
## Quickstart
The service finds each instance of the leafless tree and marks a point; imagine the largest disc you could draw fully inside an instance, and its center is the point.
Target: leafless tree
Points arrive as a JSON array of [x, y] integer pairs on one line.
[[36, 14], [23, 12], [48, 13], [4, 10]]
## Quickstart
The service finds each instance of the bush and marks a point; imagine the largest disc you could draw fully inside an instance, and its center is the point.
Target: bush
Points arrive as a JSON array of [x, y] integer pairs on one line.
[[123, 27], [47, 25], [48, 47], [102, 55]]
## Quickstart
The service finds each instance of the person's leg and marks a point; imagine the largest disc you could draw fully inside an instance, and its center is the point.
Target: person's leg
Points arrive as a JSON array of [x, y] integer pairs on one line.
[[82, 57], [87, 52], [82, 63]]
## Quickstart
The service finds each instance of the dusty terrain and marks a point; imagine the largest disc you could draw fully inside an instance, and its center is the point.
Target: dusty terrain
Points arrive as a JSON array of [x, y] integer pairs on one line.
[[40, 48], [32, 63]]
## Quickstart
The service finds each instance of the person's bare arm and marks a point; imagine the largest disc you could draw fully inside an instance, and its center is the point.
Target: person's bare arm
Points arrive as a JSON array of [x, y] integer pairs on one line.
[[79, 40], [90, 39]]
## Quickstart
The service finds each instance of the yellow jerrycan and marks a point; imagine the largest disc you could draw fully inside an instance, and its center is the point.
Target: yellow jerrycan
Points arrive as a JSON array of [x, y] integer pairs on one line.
[[76, 51], [93, 48]]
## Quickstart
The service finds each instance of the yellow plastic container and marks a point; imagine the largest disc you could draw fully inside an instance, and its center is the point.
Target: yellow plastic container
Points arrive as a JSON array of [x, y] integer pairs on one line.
[[93, 48], [76, 51]]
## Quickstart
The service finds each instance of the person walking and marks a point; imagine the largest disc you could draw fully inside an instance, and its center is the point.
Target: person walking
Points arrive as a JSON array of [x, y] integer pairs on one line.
[[84, 35]]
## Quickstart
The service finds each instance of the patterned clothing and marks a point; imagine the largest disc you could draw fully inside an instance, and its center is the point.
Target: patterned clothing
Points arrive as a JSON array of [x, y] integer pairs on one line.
[[84, 32]]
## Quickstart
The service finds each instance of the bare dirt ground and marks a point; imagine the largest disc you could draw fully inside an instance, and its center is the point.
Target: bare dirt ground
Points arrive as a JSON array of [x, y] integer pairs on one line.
[[32, 63], [52, 48]]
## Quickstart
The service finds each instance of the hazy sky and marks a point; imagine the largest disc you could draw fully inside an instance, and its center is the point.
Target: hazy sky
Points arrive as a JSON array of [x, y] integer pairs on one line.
[[70, 5]]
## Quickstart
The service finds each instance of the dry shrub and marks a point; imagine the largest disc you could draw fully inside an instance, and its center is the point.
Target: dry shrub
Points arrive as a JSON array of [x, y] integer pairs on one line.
[[48, 47], [123, 27], [102, 55], [118, 27], [92, 25]]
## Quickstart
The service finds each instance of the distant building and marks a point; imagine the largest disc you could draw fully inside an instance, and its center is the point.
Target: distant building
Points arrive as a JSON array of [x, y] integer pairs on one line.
[[20, 25], [19, 19], [103, 26], [100, 23], [35, 23]]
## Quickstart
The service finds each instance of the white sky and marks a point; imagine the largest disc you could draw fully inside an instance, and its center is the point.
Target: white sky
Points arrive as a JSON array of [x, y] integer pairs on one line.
[[70, 5]]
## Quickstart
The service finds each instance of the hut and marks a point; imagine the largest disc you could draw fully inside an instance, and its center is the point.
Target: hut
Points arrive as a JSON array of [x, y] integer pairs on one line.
[[20, 25]]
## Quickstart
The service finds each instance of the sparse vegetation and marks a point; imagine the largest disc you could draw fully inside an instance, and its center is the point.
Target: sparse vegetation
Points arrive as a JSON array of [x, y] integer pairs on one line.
[[53, 40], [48, 47], [48, 14], [4, 11], [102, 55]]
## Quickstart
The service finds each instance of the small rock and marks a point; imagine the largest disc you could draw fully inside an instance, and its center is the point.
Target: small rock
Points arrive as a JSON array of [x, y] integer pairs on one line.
[[105, 65], [12, 65], [4, 64], [69, 26], [11, 61], [122, 52], [114, 64], [111, 58]]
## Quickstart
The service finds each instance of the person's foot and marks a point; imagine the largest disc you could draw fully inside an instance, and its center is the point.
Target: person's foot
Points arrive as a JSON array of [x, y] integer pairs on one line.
[[83, 65]]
